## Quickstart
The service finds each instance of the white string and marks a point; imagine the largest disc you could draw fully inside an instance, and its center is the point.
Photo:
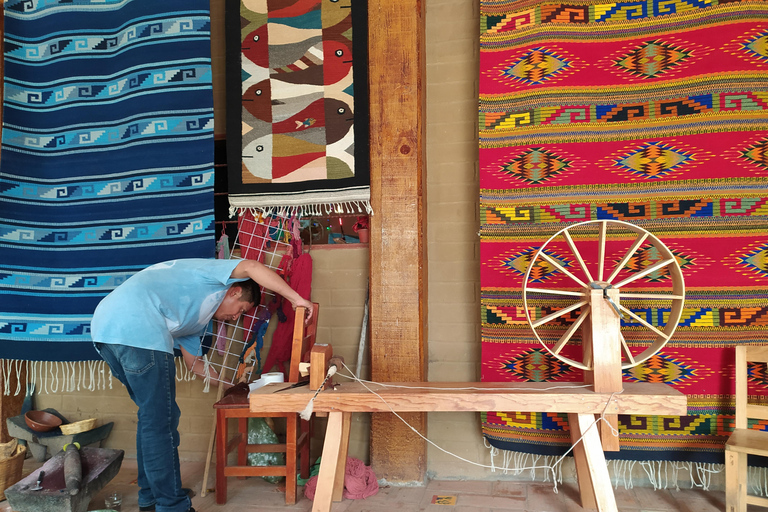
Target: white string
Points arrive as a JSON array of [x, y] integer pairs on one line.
[[552, 468], [55, 378], [6, 379], [18, 376]]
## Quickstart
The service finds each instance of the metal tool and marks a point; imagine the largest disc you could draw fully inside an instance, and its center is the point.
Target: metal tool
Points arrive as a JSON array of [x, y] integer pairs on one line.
[[296, 385], [39, 485]]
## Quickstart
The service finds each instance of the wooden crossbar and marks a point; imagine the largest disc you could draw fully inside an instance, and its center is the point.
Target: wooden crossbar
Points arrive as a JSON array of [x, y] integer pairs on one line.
[[637, 398], [580, 403]]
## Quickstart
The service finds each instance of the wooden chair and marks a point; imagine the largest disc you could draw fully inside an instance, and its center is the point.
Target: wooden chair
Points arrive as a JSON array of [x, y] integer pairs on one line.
[[298, 431], [744, 440]]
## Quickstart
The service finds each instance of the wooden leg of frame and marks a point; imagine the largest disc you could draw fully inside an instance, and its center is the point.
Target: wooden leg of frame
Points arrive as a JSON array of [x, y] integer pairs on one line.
[[594, 457], [341, 467], [328, 467], [582, 466], [735, 481]]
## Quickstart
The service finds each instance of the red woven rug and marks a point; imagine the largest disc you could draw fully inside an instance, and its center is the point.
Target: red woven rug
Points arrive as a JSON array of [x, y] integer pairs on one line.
[[653, 113]]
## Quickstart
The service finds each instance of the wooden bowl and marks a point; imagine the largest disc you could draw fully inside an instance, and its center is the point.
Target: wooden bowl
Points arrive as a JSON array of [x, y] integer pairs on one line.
[[41, 421]]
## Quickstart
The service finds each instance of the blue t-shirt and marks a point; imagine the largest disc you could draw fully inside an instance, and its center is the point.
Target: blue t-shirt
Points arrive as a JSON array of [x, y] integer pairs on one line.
[[164, 306]]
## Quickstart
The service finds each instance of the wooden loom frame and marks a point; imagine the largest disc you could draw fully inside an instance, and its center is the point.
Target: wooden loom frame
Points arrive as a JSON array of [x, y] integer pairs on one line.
[[581, 404]]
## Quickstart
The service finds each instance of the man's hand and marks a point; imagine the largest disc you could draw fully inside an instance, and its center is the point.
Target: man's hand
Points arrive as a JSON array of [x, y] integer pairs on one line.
[[304, 303]]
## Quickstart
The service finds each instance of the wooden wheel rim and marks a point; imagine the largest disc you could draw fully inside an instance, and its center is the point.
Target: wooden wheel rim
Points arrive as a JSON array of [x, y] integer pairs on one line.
[[668, 261]]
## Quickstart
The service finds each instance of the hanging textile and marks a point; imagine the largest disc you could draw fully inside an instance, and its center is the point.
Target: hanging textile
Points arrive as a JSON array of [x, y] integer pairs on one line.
[[653, 113], [297, 121], [107, 160]]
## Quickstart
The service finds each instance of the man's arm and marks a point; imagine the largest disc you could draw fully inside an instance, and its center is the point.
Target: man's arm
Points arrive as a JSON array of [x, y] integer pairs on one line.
[[267, 278], [196, 365]]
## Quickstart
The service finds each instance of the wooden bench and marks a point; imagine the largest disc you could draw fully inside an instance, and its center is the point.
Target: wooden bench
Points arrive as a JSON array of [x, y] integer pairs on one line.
[[581, 405]]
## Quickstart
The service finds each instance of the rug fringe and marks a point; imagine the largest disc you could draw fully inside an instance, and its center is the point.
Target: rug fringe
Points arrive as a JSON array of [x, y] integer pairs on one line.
[[661, 474], [50, 377], [356, 206]]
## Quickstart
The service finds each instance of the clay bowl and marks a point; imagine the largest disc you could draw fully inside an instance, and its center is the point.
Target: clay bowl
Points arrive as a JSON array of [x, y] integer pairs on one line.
[[41, 421]]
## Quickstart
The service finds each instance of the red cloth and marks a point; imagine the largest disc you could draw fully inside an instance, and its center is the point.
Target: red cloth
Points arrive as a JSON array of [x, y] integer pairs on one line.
[[359, 482], [300, 279]]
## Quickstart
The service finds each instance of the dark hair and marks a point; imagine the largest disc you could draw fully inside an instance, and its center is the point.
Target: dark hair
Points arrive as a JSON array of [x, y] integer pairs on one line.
[[251, 291]]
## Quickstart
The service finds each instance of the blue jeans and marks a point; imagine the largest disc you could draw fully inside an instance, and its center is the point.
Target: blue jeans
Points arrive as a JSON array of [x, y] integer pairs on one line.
[[149, 376]]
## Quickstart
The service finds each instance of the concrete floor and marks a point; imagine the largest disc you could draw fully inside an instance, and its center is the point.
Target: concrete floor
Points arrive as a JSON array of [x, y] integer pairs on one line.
[[254, 494]]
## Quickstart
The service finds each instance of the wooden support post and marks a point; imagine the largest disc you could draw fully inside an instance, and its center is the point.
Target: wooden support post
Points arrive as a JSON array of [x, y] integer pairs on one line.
[[398, 269], [318, 365], [601, 336]]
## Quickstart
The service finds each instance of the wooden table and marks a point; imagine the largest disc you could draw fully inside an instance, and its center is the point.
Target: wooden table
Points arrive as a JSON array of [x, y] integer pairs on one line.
[[581, 405]]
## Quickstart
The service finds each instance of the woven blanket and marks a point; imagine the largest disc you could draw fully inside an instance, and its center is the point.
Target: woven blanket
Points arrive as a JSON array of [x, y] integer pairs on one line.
[[297, 105], [107, 159], [653, 113]]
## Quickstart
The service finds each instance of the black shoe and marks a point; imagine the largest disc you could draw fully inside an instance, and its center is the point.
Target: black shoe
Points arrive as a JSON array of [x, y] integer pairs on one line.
[[151, 508]]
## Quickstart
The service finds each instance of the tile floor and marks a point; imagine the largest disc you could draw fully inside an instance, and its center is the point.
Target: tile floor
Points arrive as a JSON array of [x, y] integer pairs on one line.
[[254, 494]]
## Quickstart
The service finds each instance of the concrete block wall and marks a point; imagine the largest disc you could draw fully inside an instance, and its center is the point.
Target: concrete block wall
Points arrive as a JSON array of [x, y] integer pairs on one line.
[[452, 28]]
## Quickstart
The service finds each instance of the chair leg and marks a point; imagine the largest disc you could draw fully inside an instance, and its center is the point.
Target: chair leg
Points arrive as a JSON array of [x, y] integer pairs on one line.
[[735, 481], [291, 436], [221, 457], [242, 454]]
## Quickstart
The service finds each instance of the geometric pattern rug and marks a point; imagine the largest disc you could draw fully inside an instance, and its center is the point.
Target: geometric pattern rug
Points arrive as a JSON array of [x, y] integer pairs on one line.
[[652, 113], [107, 160]]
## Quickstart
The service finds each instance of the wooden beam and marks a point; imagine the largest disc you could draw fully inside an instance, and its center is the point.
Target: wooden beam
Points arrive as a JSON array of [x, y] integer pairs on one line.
[[398, 305], [643, 398]]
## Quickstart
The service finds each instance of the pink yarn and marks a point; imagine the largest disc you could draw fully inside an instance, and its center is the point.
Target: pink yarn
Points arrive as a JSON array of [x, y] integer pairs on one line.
[[359, 482]]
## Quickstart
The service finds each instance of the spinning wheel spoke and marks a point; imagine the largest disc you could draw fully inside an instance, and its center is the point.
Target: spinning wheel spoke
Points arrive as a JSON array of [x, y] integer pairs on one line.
[[649, 270], [644, 322], [569, 333], [559, 313], [562, 269], [601, 250], [625, 349], [556, 292], [576, 253], [630, 252], [652, 296]]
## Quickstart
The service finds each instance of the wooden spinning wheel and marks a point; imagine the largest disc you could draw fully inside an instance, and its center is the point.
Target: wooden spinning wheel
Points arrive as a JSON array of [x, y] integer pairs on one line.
[[607, 278]]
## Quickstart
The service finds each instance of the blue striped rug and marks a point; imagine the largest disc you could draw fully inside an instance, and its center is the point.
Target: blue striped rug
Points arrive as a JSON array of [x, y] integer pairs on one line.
[[106, 163]]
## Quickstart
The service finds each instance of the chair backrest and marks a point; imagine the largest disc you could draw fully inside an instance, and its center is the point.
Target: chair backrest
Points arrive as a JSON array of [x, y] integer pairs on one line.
[[744, 410], [304, 334]]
